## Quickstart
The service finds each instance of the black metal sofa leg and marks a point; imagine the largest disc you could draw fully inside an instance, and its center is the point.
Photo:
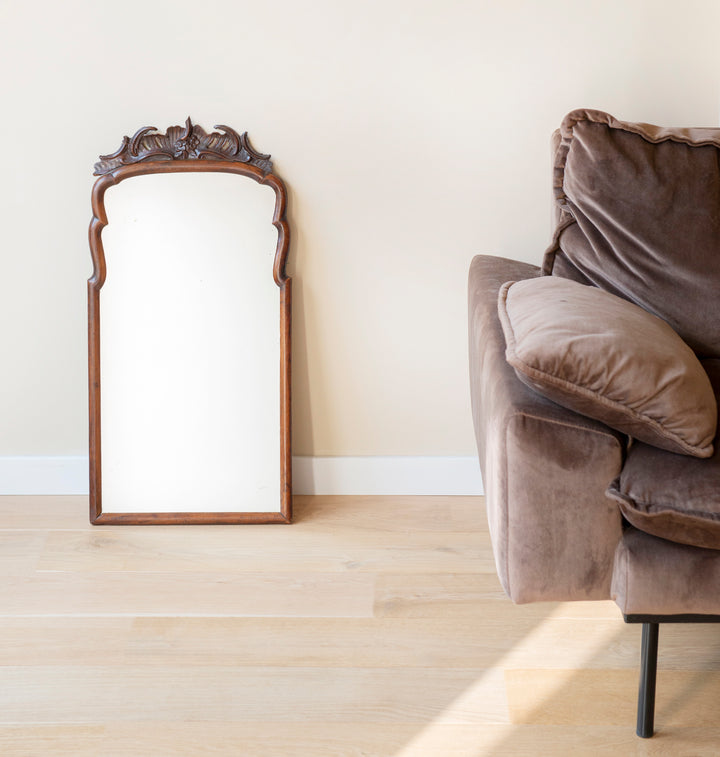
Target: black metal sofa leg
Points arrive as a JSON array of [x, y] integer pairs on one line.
[[648, 675], [648, 662]]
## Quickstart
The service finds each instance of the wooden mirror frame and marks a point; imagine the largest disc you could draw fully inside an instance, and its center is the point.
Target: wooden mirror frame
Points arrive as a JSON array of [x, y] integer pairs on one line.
[[187, 149]]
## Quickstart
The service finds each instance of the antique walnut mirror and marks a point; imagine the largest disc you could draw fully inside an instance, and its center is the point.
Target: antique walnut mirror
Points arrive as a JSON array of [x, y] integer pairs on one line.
[[189, 365]]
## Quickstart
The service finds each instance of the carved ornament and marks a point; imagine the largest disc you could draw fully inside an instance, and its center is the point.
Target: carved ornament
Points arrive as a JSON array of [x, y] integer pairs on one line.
[[189, 142]]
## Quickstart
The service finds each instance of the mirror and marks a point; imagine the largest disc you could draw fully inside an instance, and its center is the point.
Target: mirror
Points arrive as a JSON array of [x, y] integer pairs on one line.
[[189, 333]]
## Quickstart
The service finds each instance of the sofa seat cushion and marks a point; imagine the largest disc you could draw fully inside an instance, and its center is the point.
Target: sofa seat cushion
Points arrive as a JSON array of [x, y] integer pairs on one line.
[[672, 496], [608, 359], [653, 576], [637, 208]]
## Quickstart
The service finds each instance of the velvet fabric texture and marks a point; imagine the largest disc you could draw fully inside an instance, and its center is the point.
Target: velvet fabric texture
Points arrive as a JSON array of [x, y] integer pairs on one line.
[[657, 577], [637, 214], [672, 496], [606, 358], [638, 210], [545, 468]]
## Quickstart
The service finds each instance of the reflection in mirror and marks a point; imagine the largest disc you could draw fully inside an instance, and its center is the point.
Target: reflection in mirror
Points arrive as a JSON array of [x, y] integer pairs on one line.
[[189, 338]]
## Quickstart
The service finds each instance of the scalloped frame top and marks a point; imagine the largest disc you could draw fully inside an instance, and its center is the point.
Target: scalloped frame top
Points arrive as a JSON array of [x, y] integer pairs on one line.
[[188, 149]]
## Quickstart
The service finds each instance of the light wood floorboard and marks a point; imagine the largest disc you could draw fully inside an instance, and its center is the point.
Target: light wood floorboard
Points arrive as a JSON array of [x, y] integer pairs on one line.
[[371, 627]]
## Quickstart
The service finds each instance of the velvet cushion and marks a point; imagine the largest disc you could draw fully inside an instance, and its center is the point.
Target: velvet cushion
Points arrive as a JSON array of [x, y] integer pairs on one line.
[[639, 216], [608, 359], [658, 577], [672, 496]]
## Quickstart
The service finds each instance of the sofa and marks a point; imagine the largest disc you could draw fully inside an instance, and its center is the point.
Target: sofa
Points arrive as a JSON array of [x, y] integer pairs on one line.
[[594, 383]]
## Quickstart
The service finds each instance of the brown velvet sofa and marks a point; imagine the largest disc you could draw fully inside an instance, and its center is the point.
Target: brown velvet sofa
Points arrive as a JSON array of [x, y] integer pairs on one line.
[[596, 437]]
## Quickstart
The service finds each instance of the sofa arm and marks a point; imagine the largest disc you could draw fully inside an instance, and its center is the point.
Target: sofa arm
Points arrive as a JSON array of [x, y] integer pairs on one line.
[[545, 468]]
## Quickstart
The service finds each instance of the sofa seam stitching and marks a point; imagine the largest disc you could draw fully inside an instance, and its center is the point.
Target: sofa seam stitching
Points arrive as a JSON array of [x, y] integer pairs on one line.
[[567, 424]]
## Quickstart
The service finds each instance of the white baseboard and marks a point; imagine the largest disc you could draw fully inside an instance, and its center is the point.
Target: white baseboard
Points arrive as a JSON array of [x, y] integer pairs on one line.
[[387, 475], [311, 475], [44, 475]]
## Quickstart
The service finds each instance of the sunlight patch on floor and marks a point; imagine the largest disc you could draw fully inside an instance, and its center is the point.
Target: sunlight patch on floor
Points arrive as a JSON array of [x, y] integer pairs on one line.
[[480, 741]]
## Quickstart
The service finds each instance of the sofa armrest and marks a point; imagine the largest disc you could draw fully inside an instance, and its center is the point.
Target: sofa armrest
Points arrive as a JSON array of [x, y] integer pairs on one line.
[[545, 468]]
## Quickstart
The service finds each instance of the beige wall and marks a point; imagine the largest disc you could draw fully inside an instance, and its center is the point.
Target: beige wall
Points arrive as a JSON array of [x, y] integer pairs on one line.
[[412, 134]]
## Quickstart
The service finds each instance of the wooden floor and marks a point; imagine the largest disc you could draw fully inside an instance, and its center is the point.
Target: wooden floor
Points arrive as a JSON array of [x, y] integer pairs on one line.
[[370, 627]]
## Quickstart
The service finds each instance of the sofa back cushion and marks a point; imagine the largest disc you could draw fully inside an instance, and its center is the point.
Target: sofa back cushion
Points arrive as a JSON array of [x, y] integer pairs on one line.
[[639, 216]]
